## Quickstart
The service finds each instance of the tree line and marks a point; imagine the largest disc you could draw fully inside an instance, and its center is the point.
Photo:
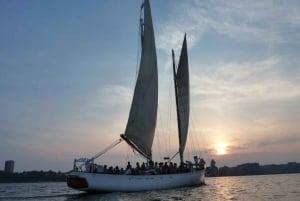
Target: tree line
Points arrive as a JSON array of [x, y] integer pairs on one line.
[[32, 176], [254, 169]]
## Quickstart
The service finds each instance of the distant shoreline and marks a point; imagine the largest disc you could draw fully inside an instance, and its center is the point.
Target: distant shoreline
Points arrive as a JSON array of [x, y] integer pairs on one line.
[[32, 176], [254, 169], [246, 169]]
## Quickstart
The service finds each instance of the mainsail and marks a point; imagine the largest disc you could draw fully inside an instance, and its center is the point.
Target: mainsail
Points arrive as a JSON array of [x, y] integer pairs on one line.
[[139, 132], [181, 79]]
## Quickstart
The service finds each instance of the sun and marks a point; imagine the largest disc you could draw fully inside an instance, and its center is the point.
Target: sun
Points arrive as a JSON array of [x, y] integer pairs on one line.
[[220, 148]]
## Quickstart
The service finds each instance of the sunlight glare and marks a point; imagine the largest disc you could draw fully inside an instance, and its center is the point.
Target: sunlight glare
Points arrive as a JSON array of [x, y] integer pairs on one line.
[[220, 148]]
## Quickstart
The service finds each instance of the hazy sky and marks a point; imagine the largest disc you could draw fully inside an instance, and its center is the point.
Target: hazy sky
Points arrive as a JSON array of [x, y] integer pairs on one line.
[[68, 69]]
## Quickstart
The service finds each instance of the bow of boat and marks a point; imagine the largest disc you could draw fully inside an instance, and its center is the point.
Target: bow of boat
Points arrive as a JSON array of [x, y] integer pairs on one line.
[[77, 182]]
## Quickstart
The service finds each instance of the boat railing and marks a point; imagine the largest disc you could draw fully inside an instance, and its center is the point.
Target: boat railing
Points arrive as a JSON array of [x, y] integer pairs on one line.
[[87, 165]]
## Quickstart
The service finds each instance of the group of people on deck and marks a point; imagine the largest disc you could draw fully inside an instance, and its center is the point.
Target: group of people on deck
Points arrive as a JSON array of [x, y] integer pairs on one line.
[[150, 168]]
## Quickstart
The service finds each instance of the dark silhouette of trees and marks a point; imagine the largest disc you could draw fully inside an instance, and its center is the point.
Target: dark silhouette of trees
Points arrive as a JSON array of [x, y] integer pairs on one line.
[[32, 176], [256, 169]]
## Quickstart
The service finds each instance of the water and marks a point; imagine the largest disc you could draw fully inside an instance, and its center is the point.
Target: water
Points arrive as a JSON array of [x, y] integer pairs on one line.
[[266, 187]]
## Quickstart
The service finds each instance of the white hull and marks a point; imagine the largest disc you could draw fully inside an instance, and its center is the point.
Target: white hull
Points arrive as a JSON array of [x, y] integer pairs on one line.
[[130, 183]]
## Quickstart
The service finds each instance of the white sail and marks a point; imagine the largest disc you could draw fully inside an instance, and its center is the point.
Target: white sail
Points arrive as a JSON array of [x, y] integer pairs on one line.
[[141, 123], [183, 96]]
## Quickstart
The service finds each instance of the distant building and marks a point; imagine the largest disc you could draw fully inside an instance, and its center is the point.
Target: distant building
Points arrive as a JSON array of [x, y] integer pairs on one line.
[[9, 166]]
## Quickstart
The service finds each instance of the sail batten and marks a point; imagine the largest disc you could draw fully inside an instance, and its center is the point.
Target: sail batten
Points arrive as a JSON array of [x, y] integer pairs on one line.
[[139, 132], [181, 78]]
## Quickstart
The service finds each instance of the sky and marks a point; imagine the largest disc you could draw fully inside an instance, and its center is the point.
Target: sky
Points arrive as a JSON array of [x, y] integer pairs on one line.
[[68, 70]]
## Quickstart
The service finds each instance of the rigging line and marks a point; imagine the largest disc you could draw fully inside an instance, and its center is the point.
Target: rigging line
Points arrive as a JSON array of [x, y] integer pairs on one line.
[[107, 149], [191, 134], [159, 134], [131, 155], [188, 151], [205, 148], [197, 150], [170, 159], [193, 148], [194, 135], [205, 152], [193, 138], [205, 145], [127, 158], [169, 112]]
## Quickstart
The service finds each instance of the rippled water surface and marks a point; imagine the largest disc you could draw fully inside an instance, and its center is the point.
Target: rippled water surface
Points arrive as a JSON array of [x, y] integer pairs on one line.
[[267, 187]]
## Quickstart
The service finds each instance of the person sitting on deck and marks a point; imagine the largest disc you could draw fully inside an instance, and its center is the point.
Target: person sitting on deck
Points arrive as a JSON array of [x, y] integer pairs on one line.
[[110, 170], [151, 168], [160, 167], [172, 168], [117, 170], [105, 171], [165, 168], [128, 169], [128, 165], [143, 168], [137, 168], [151, 165], [88, 166], [196, 159], [156, 167], [202, 163], [189, 166]]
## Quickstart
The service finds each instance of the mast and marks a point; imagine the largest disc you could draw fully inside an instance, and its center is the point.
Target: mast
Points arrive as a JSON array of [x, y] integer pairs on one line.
[[177, 108], [182, 94]]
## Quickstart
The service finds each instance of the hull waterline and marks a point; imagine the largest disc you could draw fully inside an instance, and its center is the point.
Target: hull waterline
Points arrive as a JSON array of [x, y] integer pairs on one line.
[[84, 181]]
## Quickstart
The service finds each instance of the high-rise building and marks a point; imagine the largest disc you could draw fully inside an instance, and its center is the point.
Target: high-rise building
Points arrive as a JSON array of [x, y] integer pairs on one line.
[[9, 166]]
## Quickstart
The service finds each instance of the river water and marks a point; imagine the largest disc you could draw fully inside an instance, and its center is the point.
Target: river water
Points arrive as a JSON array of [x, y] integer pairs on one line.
[[263, 187]]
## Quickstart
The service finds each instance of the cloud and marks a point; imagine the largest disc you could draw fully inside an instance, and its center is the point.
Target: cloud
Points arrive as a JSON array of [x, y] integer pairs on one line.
[[251, 104], [255, 81], [281, 140], [100, 116], [274, 148], [245, 21], [112, 95]]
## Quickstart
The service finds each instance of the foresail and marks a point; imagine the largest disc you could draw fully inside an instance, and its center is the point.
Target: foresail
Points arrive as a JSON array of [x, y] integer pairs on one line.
[[139, 132], [183, 96]]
